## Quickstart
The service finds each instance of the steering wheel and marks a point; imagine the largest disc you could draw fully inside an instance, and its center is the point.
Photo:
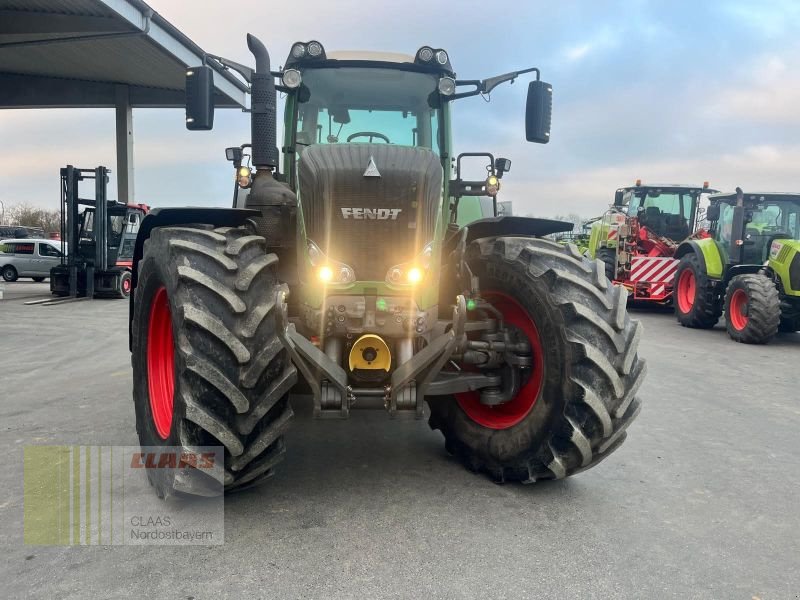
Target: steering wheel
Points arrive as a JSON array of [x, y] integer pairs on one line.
[[369, 134]]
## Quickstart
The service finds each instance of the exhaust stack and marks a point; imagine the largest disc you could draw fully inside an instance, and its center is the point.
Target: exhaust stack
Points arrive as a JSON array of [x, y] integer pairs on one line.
[[263, 125]]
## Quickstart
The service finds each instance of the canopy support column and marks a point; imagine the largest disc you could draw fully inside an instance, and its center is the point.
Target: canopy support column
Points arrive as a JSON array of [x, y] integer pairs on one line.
[[124, 122]]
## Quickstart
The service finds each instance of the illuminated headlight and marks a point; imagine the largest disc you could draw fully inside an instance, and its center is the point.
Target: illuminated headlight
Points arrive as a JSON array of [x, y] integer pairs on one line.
[[411, 273], [292, 78], [492, 185], [327, 270], [447, 86], [298, 50], [425, 54], [441, 57], [244, 177], [314, 49]]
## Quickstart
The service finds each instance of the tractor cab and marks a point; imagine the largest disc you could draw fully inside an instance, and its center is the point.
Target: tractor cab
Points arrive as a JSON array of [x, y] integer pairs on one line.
[[669, 211], [123, 225], [747, 235]]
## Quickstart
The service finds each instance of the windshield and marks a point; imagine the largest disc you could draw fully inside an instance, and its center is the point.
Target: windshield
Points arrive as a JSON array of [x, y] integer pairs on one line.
[[368, 105], [775, 216], [670, 203]]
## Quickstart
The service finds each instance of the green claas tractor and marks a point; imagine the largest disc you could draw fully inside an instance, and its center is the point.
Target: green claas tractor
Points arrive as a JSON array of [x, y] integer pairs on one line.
[[348, 266], [749, 267]]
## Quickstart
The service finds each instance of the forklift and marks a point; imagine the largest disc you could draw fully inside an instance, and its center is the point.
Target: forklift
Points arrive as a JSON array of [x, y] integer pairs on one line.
[[97, 239]]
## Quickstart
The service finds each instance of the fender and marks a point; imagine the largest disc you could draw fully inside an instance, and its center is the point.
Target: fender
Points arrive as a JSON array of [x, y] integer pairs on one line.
[[170, 217], [707, 252], [507, 226]]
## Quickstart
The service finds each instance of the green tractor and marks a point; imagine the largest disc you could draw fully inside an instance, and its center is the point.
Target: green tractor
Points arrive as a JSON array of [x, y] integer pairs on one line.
[[353, 266], [749, 267]]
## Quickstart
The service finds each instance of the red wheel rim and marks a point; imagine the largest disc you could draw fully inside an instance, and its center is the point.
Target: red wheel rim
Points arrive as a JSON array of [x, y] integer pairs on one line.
[[738, 310], [126, 284], [687, 288], [508, 414], [161, 363]]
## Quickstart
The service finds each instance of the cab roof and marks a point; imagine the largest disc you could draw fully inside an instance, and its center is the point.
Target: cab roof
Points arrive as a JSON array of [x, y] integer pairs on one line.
[[665, 186], [755, 197]]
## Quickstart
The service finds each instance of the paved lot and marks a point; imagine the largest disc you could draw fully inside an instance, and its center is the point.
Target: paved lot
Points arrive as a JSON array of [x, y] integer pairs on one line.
[[700, 502]]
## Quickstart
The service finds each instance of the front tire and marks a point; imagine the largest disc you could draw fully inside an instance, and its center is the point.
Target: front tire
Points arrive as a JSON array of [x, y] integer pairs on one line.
[[694, 298], [583, 396], [125, 284], [608, 256], [208, 367], [752, 309]]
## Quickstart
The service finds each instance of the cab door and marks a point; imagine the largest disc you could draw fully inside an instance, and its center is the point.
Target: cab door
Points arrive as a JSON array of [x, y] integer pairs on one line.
[[49, 257]]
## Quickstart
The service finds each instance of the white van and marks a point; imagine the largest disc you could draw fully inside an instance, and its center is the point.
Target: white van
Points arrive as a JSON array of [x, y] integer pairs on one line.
[[29, 257]]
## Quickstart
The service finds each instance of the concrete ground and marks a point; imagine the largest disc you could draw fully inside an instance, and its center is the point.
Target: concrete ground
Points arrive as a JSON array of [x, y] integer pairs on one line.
[[700, 502]]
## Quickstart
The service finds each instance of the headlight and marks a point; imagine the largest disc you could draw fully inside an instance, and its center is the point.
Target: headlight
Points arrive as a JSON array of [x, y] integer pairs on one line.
[[425, 54], [447, 86], [314, 48], [244, 177], [327, 270], [411, 273], [298, 50], [292, 78]]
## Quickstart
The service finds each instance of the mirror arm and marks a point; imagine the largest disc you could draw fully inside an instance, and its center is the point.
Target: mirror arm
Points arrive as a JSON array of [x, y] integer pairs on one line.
[[226, 65], [487, 85]]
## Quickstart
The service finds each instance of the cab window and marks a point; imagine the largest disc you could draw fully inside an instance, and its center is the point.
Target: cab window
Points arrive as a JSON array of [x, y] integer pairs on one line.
[[23, 248], [49, 250]]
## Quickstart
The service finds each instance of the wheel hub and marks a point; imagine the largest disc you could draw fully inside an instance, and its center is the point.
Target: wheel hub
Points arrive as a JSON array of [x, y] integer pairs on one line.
[[508, 414], [161, 363], [739, 310], [687, 289]]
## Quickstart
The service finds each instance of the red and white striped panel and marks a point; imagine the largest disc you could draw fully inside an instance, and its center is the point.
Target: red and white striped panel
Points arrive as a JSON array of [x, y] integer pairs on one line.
[[657, 271], [612, 233]]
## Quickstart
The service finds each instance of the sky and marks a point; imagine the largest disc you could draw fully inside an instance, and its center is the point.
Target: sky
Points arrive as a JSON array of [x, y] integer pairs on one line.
[[665, 91]]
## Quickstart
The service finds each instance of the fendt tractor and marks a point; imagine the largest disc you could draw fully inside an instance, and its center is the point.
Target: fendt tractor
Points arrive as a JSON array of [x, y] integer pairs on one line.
[[348, 266], [636, 238], [749, 267], [98, 237]]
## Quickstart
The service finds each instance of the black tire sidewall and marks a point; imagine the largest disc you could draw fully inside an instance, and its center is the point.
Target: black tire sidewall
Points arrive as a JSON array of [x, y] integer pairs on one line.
[[10, 274]]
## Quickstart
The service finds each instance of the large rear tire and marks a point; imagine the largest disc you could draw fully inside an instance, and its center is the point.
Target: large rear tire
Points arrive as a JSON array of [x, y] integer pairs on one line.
[[696, 302], [581, 394], [208, 367], [752, 309]]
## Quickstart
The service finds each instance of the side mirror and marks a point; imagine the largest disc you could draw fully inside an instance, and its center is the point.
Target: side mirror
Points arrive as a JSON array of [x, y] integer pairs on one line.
[[618, 196], [200, 98], [234, 154], [502, 165], [712, 212], [538, 110]]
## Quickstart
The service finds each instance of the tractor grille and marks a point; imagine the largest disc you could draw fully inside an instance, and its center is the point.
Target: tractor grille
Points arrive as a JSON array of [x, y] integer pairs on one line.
[[794, 273], [370, 223]]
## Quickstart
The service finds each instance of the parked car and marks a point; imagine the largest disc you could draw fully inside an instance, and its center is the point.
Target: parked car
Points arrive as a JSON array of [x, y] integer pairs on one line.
[[28, 257]]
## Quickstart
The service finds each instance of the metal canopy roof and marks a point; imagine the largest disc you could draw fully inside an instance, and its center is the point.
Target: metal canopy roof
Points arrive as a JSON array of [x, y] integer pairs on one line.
[[74, 53]]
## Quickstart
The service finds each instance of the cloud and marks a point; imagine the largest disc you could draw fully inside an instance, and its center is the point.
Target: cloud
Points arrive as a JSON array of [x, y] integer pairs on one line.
[[603, 40]]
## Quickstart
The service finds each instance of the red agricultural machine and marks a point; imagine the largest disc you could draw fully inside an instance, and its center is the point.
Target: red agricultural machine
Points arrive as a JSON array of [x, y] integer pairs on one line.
[[638, 236]]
